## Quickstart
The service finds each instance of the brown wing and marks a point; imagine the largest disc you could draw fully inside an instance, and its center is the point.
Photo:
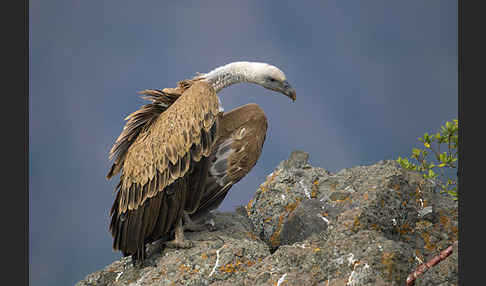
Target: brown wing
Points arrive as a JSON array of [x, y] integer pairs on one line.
[[157, 167], [139, 120], [242, 134]]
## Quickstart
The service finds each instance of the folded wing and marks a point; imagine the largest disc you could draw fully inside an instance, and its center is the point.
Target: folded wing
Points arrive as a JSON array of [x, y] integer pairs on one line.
[[242, 134], [159, 157]]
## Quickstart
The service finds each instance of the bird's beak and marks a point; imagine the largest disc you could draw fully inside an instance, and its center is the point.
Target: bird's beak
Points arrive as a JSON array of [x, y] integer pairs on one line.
[[289, 91]]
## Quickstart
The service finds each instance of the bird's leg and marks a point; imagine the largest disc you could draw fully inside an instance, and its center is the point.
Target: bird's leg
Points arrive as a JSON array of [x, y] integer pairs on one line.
[[190, 225], [179, 241], [138, 258]]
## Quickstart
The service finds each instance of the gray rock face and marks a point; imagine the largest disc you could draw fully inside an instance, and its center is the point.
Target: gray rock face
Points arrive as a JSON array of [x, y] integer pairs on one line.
[[304, 221], [367, 225]]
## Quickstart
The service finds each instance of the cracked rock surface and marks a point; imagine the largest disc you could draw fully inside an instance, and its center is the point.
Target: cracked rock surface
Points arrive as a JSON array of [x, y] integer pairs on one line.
[[366, 225]]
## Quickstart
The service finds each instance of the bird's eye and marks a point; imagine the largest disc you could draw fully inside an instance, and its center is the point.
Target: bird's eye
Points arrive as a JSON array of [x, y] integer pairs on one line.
[[272, 79]]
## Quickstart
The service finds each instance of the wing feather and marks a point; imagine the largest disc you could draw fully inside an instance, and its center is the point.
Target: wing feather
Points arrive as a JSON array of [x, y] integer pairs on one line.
[[155, 151], [205, 143], [124, 239], [240, 142], [131, 197], [185, 162], [196, 152], [166, 135], [158, 205], [175, 170], [145, 191], [126, 195], [137, 228], [138, 121]]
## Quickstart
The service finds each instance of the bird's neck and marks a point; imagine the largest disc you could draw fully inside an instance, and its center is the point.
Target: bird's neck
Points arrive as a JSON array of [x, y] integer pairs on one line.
[[232, 73]]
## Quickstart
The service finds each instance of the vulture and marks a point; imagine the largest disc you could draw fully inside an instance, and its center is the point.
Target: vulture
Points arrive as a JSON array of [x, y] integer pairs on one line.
[[179, 155]]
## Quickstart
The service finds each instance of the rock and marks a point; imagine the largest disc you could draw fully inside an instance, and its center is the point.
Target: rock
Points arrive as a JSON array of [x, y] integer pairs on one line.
[[297, 159], [216, 256], [304, 221], [366, 225], [292, 182], [383, 201]]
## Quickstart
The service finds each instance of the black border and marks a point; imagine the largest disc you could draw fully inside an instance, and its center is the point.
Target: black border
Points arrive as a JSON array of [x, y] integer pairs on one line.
[[460, 162], [470, 164], [25, 104], [15, 150]]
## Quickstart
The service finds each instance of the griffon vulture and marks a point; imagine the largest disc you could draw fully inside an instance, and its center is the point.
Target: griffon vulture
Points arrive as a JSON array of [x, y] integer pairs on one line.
[[180, 154]]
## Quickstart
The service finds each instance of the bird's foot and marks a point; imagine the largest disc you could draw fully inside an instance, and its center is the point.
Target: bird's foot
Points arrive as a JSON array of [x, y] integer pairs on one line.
[[138, 258], [190, 225], [179, 243], [138, 263]]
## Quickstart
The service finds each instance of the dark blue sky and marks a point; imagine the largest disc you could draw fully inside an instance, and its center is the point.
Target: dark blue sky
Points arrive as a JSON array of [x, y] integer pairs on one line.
[[370, 76]]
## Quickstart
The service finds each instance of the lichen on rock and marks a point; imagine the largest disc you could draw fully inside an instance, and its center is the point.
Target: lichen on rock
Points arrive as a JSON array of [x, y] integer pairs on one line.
[[366, 225]]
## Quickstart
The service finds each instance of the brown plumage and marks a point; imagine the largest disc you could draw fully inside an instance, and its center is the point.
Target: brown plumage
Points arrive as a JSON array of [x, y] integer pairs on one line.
[[155, 153], [242, 134], [179, 155]]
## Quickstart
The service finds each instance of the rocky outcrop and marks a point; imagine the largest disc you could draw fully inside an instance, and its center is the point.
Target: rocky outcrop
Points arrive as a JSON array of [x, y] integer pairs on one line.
[[367, 225]]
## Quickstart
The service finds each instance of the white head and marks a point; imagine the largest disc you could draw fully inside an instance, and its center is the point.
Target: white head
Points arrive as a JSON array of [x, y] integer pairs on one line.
[[263, 74], [272, 78]]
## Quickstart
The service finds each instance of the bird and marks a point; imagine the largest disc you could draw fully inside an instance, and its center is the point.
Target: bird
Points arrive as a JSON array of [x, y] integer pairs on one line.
[[179, 155]]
